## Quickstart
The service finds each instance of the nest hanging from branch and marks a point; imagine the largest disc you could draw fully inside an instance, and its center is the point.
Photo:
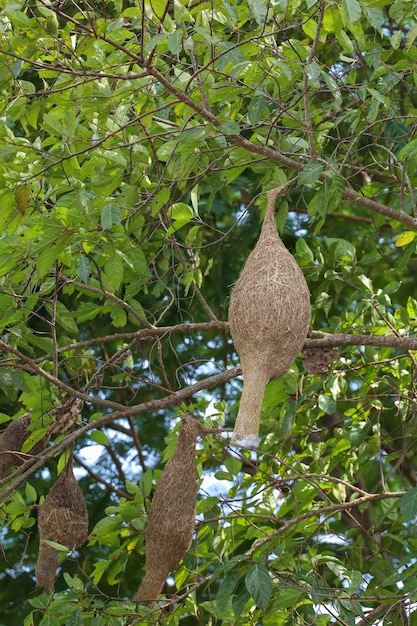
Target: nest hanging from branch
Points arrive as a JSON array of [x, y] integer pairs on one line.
[[16, 433], [63, 518], [269, 317], [11, 443], [171, 519]]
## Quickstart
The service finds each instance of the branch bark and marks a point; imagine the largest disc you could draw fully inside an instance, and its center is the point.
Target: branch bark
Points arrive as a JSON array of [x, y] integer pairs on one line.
[[316, 339]]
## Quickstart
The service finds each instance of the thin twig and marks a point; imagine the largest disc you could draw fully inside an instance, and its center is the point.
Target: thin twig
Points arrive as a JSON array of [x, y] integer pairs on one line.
[[332, 508]]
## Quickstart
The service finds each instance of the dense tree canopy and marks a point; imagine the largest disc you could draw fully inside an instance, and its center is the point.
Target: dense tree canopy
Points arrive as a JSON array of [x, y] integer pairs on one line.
[[137, 141]]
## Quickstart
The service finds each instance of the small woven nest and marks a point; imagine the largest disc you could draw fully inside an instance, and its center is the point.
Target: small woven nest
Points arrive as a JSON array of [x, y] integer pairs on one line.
[[63, 518], [11, 443], [269, 317], [171, 519], [15, 435]]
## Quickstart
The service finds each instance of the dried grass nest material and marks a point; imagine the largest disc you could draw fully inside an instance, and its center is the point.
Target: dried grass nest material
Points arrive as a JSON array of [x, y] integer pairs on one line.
[[16, 433], [269, 317], [171, 519], [63, 518], [11, 444]]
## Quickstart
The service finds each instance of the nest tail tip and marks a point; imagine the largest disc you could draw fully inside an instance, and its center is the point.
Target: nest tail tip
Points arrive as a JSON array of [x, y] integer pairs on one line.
[[245, 441], [46, 567]]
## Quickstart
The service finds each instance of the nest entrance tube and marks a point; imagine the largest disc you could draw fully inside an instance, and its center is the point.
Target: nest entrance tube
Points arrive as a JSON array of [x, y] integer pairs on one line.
[[269, 317]]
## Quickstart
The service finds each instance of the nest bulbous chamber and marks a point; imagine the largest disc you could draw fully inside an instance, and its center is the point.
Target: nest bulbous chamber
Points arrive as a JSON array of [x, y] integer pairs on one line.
[[269, 317], [171, 519], [63, 518]]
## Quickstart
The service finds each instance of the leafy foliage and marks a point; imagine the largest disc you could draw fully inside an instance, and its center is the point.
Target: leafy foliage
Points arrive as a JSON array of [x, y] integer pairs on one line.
[[136, 141]]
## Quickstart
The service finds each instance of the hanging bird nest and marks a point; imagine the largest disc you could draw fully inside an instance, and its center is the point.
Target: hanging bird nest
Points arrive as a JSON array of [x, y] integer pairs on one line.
[[16, 433], [62, 518], [171, 519], [269, 317], [11, 443]]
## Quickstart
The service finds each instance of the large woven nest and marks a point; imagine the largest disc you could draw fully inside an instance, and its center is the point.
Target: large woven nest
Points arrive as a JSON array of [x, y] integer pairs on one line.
[[63, 518], [171, 519], [269, 316]]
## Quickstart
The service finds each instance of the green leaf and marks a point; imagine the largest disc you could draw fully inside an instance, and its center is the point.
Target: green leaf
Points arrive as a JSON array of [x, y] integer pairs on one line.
[[105, 531], [259, 584], [345, 41], [159, 200], [99, 568], [7, 153], [412, 307], [159, 7], [313, 72], [310, 173], [175, 41], [64, 318], [233, 465], [408, 505], [132, 488], [304, 253], [181, 212], [326, 404], [288, 598], [57, 546], [16, 506], [39, 602], [73, 582], [53, 124], [48, 256], [31, 492], [10, 382], [99, 437], [355, 579], [411, 37], [48, 620], [225, 592], [257, 109], [240, 598], [83, 268], [115, 24], [222, 475], [19, 19], [352, 10], [358, 433], [147, 483], [230, 128], [63, 460], [113, 273], [110, 216], [118, 317], [408, 151], [258, 10], [29, 619]]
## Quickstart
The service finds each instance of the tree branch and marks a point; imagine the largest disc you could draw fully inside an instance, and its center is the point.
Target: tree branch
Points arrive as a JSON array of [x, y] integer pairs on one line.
[[319, 511], [318, 339], [175, 398]]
